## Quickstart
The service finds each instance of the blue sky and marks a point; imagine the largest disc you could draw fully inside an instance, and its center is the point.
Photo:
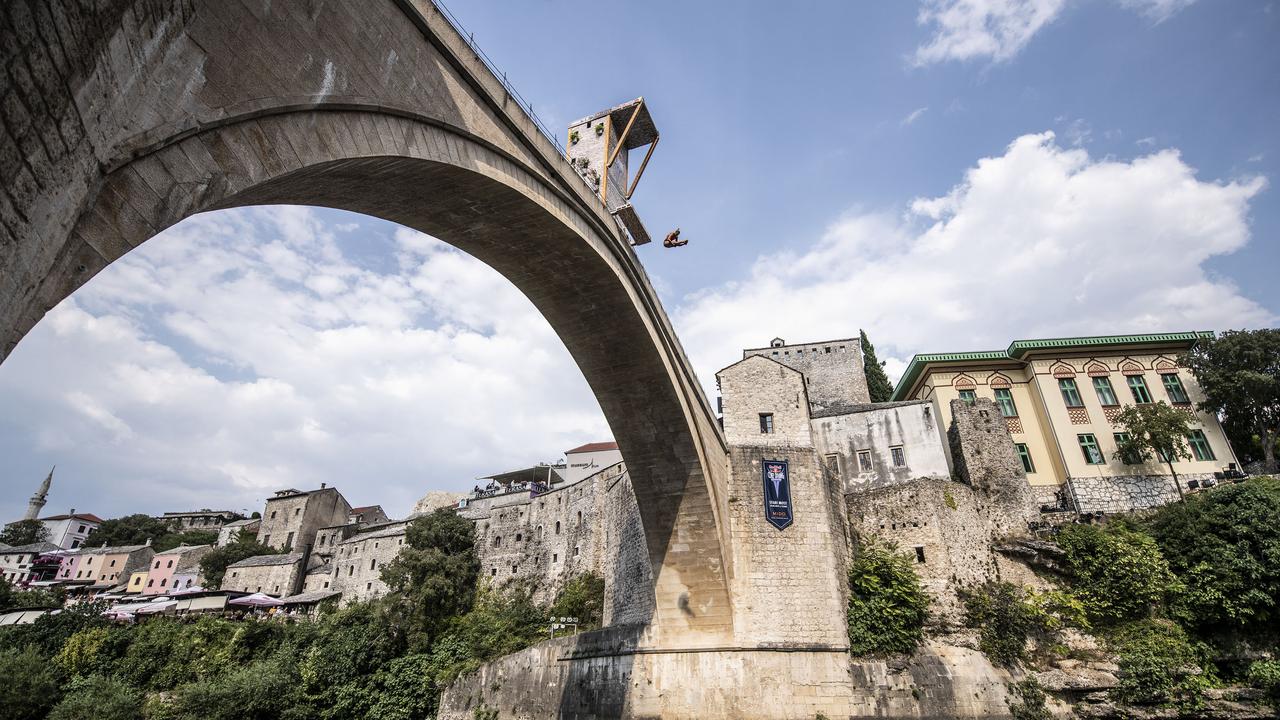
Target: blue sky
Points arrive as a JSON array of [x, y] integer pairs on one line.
[[947, 175]]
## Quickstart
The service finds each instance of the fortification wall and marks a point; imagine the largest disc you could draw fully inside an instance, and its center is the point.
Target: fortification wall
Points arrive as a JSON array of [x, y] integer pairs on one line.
[[545, 540]]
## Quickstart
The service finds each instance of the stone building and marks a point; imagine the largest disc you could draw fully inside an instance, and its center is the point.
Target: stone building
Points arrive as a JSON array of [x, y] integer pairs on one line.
[[832, 369], [367, 515], [276, 575], [230, 532], [292, 518], [545, 537], [765, 402], [204, 519], [1059, 399], [355, 567]]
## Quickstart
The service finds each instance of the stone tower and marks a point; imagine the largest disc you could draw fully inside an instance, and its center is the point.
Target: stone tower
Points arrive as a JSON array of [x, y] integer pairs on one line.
[[37, 501]]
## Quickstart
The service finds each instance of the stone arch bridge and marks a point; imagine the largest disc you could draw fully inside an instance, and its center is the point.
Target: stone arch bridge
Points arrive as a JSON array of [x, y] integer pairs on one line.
[[122, 117]]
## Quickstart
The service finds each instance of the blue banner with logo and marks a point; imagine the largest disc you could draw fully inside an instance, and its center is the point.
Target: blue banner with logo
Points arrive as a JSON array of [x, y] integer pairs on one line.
[[777, 494]]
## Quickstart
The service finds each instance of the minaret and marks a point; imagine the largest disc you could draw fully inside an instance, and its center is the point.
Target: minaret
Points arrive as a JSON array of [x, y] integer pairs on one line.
[[36, 503]]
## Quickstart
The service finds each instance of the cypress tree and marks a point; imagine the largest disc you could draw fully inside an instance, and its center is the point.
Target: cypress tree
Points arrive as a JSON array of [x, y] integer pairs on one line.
[[878, 384]]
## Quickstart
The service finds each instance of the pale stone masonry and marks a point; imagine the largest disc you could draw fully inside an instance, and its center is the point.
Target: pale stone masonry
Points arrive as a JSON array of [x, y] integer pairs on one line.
[[276, 575], [292, 518], [832, 369]]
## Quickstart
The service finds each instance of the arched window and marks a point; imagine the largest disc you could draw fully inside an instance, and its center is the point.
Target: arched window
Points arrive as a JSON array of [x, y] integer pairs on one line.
[[557, 527], [497, 541], [579, 517]]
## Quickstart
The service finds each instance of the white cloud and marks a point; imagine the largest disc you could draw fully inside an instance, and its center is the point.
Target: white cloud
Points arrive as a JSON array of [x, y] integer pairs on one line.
[[976, 29], [913, 116], [1157, 11], [1148, 141], [245, 351], [998, 30], [1040, 241]]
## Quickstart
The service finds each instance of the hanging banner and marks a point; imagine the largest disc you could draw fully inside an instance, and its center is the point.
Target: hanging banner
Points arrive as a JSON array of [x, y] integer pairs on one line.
[[777, 494]]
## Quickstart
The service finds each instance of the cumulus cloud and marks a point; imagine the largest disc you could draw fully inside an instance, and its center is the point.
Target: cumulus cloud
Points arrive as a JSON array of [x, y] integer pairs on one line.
[[1040, 241], [998, 30], [245, 351]]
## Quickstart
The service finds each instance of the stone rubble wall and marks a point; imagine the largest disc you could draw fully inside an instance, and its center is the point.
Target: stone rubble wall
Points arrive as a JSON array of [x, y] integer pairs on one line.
[[1123, 493]]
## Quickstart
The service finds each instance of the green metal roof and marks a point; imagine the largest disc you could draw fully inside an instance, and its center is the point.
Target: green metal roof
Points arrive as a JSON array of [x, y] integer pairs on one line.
[[1019, 349]]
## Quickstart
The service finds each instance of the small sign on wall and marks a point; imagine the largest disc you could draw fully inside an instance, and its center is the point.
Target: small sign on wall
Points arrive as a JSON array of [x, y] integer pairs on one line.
[[777, 494]]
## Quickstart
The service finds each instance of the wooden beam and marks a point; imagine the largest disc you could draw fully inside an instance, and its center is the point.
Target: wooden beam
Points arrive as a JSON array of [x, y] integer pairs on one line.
[[636, 180], [622, 141]]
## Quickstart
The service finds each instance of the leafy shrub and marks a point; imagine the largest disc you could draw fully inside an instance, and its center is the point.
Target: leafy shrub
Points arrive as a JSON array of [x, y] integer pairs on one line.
[[887, 606], [213, 565], [1119, 573], [1158, 664], [583, 598], [1008, 616], [31, 685], [404, 689], [79, 656], [1224, 545], [1265, 674], [49, 632], [261, 690], [1026, 701], [99, 698]]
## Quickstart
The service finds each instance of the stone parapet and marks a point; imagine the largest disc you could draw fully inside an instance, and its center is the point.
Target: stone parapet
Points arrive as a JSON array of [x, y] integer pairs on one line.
[[1125, 493]]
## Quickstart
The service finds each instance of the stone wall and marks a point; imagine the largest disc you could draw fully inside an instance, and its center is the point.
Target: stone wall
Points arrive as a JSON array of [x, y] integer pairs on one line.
[[833, 369], [278, 579], [547, 539], [1123, 493], [984, 456], [600, 675], [757, 386], [597, 676], [788, 585], [358, 561]]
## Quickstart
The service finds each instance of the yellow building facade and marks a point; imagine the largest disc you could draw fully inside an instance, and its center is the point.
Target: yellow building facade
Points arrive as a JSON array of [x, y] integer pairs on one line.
[[1060, 397]]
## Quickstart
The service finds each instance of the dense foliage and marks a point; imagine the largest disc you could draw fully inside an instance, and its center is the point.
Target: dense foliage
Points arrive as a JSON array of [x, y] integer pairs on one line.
[[1158, 664], [1008, 617], [24, 532], [1027, 701], [383, 660], [13, 598], [138, 529], [878, 385], [1239, 373], [887, 606], [436, 571], [213, 566], [1224, 546], [1119, 572]]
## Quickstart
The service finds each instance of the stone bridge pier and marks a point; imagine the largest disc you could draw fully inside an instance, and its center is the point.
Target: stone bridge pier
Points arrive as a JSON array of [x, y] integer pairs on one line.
[[122, 117]]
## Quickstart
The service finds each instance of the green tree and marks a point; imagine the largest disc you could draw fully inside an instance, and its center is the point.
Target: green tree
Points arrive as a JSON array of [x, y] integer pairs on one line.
[[1008, 616], [214, 563], [1152, 430], [1158, 664], [100, 698], [1224, 546], [583, 598], [30, 686], [1239, 373], [878, 384], [436, 570], [1118, 573], [24, 532], [887, 606], [134, 529]]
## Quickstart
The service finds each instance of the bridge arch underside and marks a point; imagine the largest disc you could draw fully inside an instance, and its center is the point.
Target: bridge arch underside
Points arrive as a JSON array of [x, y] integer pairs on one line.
[[450, 186]]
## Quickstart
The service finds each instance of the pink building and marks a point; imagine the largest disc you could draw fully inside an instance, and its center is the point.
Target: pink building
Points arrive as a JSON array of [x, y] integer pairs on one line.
[[166, 567]]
